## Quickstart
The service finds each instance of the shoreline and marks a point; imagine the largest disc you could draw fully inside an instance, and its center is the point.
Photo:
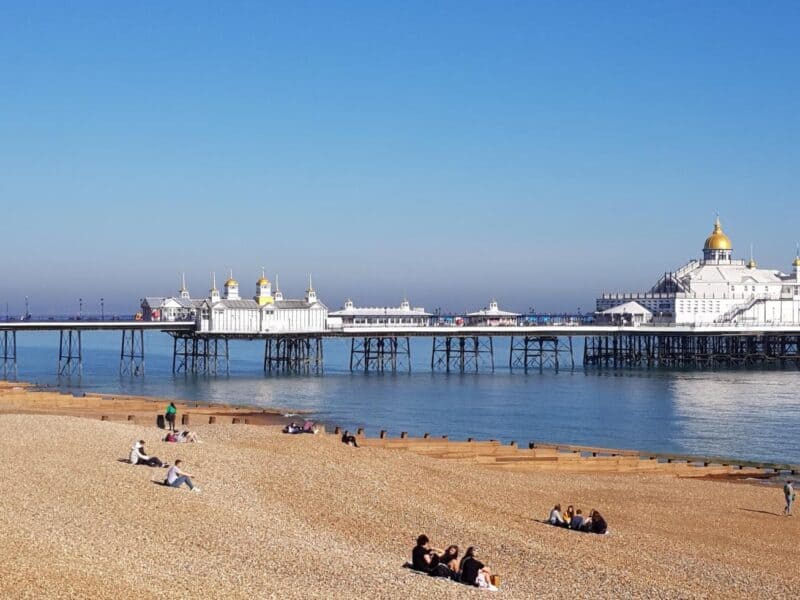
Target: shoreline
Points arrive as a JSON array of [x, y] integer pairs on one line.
[[30, 398]]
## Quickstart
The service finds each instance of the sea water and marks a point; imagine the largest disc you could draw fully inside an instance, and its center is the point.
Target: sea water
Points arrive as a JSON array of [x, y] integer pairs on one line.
[[749, 414]]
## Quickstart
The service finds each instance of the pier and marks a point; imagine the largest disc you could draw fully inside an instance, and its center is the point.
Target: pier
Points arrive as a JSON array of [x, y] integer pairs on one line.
[[454, 349]]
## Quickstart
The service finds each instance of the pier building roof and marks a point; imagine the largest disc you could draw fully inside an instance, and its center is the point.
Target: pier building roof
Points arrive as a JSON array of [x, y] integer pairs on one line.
[[492, 311], [718, 240]]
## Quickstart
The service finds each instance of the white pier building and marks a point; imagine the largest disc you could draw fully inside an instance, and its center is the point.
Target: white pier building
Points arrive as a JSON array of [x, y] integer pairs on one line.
[[491, 317], [401, 316], [716, 289], [229, 313]]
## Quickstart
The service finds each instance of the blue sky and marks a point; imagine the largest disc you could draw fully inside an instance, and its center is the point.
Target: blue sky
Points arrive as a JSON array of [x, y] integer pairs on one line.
[[540, 152]]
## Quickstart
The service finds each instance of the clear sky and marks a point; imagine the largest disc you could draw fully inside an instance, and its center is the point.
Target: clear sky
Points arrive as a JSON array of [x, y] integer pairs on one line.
[[539, 152]]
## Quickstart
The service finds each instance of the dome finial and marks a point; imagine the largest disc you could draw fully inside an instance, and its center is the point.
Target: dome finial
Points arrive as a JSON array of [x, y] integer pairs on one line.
[[718, 240]]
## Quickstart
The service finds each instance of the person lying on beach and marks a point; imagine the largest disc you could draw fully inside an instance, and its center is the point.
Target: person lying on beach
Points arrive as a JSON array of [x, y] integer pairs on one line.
[[555, 517], [348, 439], [138, 456], [176, 477], [474, 572], [181, 437]]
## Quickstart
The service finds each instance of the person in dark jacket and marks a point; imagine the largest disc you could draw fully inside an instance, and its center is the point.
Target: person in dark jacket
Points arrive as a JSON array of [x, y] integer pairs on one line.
[[423, 557], [599, 524], [471, 567]]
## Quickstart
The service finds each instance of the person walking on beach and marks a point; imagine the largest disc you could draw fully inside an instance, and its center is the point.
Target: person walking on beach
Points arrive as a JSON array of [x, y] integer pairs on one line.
[[170, 414], [176, 477], [788, 493]]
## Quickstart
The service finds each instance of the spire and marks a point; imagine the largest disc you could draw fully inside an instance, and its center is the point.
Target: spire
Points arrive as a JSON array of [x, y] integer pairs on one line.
[[751, 264], [184, 292], [213, 281], [311, 295]]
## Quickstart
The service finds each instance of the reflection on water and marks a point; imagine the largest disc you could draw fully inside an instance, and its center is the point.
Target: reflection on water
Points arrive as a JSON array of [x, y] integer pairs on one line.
[[731, 413]]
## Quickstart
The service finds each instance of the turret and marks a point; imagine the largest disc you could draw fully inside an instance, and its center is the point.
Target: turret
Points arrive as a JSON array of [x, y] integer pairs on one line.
[[278, 293], [213, 293], [184, 293], [311, 295], [263, 291], [231, 288]]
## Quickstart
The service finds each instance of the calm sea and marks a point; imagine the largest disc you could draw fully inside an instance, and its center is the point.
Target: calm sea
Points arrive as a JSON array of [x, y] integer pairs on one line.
[[744, 414]]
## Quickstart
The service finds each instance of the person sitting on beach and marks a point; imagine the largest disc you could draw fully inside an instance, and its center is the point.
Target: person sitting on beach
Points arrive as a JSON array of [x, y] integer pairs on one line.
[[598, 523], [292, 428], [138, 456], [569, 514], [555, 517], [577, 520], [474, 572], [449, 558], [308, 427], [176, 477], [348, 439], [423, 557]]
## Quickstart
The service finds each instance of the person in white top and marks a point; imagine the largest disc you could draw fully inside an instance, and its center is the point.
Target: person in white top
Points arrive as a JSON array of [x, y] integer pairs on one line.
[[176, 477], [556, 518], [139, 456]]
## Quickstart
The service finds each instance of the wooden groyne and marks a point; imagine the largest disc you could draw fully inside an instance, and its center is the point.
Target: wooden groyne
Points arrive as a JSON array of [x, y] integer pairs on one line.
[[564, 457]]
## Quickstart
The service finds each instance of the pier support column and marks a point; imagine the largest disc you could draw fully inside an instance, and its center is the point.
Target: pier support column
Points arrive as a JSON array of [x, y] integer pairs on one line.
[[381, 353], [131, 354], [293, 354], [205, 355], [540, 352], [462, 353], [70, 353], [8, 354]]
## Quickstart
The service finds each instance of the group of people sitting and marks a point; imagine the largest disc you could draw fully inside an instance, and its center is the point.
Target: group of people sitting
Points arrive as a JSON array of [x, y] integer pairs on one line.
[[175, 476], [180, 437], [307, 427], [574, 519], [437, 563]]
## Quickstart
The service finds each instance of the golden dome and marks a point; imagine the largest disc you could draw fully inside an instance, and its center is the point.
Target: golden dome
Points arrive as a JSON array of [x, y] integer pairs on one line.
[[231, 282], [718, 240], [751, 264], [262, 281], [796, 261]]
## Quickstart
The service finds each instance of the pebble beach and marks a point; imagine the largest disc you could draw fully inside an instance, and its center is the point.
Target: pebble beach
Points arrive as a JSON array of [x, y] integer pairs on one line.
[[305, 516]]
